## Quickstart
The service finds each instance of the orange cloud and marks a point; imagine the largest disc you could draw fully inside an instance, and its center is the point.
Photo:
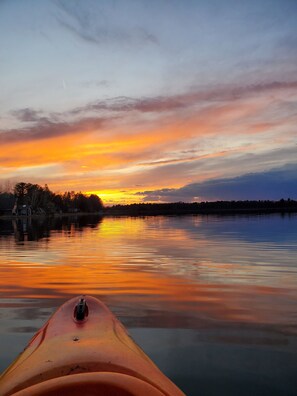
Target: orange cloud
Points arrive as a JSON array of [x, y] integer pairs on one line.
[[158, 142]]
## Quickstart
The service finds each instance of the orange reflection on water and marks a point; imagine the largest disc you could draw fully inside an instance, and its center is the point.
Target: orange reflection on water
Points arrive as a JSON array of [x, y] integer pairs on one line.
[[169, 265]]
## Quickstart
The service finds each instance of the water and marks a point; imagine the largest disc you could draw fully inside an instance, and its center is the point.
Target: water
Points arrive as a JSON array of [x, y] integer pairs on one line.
[[211, 299]]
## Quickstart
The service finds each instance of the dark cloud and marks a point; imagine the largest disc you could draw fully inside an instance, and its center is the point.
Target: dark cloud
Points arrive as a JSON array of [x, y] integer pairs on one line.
[[45, 128], [273, 184], [27, 115]]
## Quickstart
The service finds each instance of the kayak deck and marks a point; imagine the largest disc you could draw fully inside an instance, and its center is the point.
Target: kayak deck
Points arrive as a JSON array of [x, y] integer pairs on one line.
[[83, 349]]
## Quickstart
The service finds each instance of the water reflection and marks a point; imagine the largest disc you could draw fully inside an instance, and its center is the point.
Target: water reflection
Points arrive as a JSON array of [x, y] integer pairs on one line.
[[226, 284], [36, 228]]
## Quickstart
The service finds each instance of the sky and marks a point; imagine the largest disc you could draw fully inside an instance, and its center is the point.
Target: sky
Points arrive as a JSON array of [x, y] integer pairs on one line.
[[150, 101]]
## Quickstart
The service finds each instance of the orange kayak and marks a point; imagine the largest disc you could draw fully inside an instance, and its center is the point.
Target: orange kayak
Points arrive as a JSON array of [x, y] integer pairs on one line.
[[84, 350]]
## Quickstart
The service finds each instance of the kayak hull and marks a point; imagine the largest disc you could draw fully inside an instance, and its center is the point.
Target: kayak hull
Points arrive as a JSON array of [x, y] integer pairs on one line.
[[93, 353], [111, 384]]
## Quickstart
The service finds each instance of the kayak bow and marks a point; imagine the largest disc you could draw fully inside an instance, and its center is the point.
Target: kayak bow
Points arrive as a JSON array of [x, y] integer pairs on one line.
[[84, 350]]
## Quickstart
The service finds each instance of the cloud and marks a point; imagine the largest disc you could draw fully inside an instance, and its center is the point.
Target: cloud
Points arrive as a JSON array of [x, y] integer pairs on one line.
[[161, 141], [273, 184], [88, 23], [47, 127], [211, 103], [195, 96], [27, 115]]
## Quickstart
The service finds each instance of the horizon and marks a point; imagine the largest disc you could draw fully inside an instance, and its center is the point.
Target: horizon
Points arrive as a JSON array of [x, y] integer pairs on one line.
[[10, 191], [157, 102]]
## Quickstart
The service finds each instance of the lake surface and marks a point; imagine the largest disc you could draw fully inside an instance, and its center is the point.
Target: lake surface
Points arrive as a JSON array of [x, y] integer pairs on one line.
[[211, 299]]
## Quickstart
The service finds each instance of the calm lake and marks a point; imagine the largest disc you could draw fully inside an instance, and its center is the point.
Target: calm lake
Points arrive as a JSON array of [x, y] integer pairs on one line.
[[211, 299]]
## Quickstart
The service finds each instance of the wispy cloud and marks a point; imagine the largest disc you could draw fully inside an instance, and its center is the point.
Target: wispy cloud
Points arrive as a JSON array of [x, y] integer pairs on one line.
[[209, 100], [88, 22], [211, 95]]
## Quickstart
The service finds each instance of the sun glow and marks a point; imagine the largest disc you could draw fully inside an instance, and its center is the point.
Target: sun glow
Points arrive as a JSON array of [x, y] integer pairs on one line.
[[114, 197]]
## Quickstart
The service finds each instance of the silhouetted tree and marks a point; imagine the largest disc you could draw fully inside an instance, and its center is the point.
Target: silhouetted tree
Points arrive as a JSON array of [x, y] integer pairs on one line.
[[20, 191], [95, 203], [42, 200]]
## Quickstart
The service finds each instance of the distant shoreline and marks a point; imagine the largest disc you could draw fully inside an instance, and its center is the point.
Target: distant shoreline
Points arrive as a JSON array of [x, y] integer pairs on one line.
[[179, 208], [203, 208]]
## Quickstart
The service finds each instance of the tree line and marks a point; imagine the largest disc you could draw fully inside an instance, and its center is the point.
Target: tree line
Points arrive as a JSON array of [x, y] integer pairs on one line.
[[43, 200], [220, 207]]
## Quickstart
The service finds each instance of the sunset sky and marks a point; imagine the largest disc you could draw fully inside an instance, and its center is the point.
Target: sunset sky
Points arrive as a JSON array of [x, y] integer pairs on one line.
[[160, 100]]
